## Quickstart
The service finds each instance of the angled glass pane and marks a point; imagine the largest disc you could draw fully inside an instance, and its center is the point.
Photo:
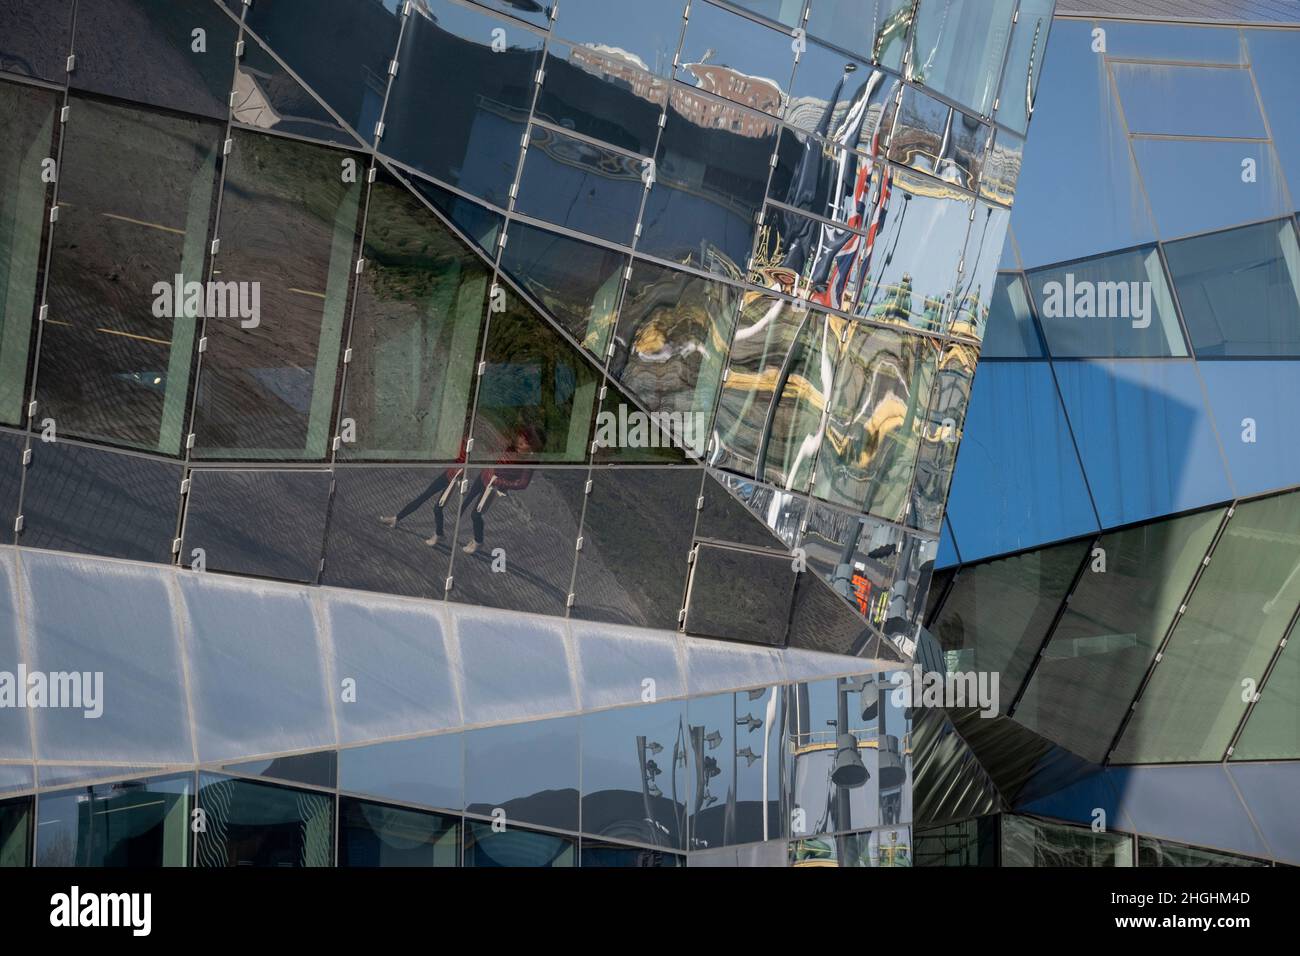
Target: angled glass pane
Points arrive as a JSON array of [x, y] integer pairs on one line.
[[1240, 290], [934, 138], [173, 53], [742, 511], [1198, 805], [136, 193], [810, 259], [636, 538], [875, 29], [634, 784], [1198, 185], [537, 394], [1024, 63], [529, 770], [1173, 42], [967, 843], [339, 48], [318, 769], [1002, 169], [1116, 619], [1164, 853], [829, 98], [624, 33], [941, 434], [481, 225], [1188, 100], [975, 287], [1273, 731], [515, 538], [261, 824], [415, 331], [876, 419], [12, 446], [1030, 842], [794, 430], [372, 834], [576, 283], [112, 628], [730, 802], [486, 846], [421, 770], [1083, 152], [29, 116], [740, 595], [1011, 331], [536, 12], [94, 501], [782, 11], [855, 555], [958, 48], [16, 832], [603, 854], [36, 40], [737, 58], [1145, 437], [579, 185], [711, 170], [997, 614], [947, 547], [389, 529], [1112, 306], [1273, 60], [817, 177], [289, 220], [140, 824], [450, 69], [1238, 613], [267, 96], [266, 524], [1268, 791], [908, 275]]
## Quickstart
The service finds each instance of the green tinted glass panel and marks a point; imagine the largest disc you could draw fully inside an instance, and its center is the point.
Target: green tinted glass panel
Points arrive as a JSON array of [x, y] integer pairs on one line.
[[1163, 853], [15, 832], [135, 823], [1237, 615], [373, 834], [1027, 842], [1273, 731], [260, 824]]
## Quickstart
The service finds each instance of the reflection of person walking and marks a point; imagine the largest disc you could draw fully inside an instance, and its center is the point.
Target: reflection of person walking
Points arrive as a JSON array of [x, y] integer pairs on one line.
[[440, 486]]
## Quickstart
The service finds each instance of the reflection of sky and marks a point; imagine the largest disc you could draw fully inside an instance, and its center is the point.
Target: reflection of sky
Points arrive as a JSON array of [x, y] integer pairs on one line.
[[648, 30]]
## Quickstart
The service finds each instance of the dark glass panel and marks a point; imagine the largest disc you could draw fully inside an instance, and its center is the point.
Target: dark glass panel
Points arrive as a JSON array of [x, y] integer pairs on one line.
[[100, 502], [288, 225], [267, 524], [1011, 331], [740, 595], [1117, 617], [1240, 290], [614, 855], [340, 48], [528, 770], [602, 91], [1029, 842], [636, 539], [634, 784], [710, 176], [625, 33], [580, 185], [481, 224], [485, 846], [481, 98], [1025, 60], [27, 143], [425, 770], [876, 29], [267, 97], [741, 511], [577, 283], [35, 39], [372, 834], [15, 832], [941, 434], [935, 138], [12, 445], [997, 614], [415, 333], [381, 523], [136, 192], [856, 555], [173, 53], [876, 419], [259, 824], [537, 393], [737, 58], [516, 535], [140, 824], [958, 48], [1164, 853], [316, 770], [829, 622], [967, 843]]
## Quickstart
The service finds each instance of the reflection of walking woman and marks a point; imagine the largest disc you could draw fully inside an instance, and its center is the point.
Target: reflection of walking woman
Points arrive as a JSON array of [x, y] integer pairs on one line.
[[490, 484]]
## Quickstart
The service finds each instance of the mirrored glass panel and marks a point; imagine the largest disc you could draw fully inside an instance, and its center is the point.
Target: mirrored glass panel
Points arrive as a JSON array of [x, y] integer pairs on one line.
[[1116, 619], [740, 595], [810, 259], [577, 184], [941, 434], [422, 770], [529, 771], [372, 834], [1240, 290], [979, 261], [742, 511], [318, 769], [266, 524], [1117, 305], [856, 555], [958, 48], [1030, 842], [967, 843], [711, 171], [1188, 100], [1025, 62], [266, 96], [421, 299], [1239, 612], [875, 29], [737, 58], [36, 40], [617, 855], [1002, 169], [1164, 853], [536, 12], [140, 824], [260, 824], [136, 195], [735, 744], [934, 138], [485, 846], [449, 69], [481, 225], [289, 219], [628, 34]]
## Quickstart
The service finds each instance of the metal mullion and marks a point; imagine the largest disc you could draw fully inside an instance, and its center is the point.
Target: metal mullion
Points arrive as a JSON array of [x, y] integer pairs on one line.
[[1291, 630]]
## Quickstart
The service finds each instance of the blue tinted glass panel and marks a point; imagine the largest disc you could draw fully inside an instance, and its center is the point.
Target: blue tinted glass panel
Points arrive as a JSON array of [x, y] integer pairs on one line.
[[1011, 331], [1188, 100], [1275, 57], [1018, 482], [1165, 41], [577, 184], [1257, 400], [736, 58], [947, 548], [1144, 435]]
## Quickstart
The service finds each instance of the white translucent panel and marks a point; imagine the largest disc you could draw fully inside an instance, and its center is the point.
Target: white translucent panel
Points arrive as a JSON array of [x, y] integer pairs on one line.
[[614, 662], [61, 775], [255, 668], [713, 666], [114, 625], [422, 770], [1190, 804], [802, 665], [514, 666], [15, 732], [15, 777], [396, 654]]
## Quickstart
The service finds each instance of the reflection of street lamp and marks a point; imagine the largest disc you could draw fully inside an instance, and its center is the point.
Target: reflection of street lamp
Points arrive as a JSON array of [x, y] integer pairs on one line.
[[848, 770]]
